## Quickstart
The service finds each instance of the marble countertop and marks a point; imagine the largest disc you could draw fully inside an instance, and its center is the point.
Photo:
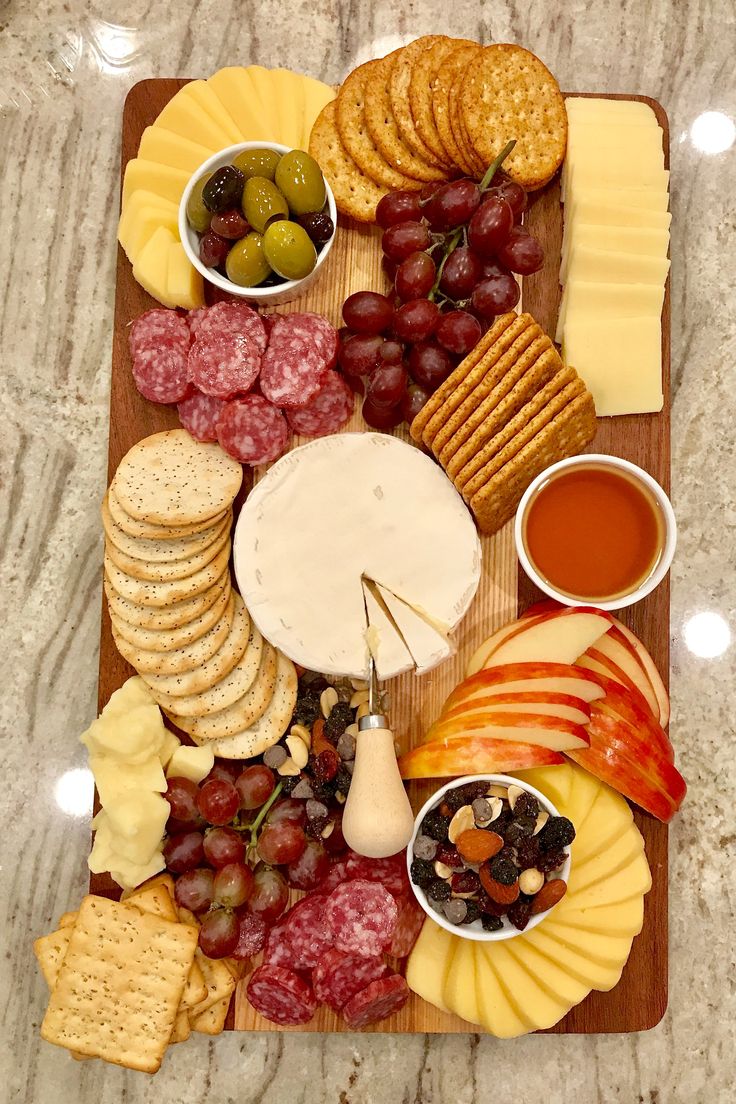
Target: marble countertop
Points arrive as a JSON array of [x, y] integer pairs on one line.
[[66, 67]]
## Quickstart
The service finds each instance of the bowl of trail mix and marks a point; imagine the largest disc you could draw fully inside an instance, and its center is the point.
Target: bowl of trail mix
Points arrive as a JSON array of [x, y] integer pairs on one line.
[[490, 856]]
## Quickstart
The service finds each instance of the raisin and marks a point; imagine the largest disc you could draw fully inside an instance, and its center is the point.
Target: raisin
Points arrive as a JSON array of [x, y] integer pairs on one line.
[[519, 913], [470, 791], [491, 923], [340, 717], [473, 911], [448, 855], [307, 709], [557, 833], [454, 800], [493, 908], [550, 861], [438, 890], [504, 871], [527, 852], [526, 805], [467, 881], [316, 825], [436, 826], [313, 682], [502, 821], [422, 873], [323, 791]]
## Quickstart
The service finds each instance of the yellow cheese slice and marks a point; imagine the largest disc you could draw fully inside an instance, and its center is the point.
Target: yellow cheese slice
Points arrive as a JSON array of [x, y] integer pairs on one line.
[[609, 816], [554, 782], [183, 115], [460, 992], [194, 763], [537, 1007], [615, 172], [429, 963], [583, 793], [603, 112], [622, 918], [604, 265], [617, 856], [497, 1014], [575, 960], [287, 91], [166, 148], [151, 266], [552, 977], [316, 96], [596, 301], [203, 94], [620, 360], [602, 947], [611, 164], [151, 177], [184, 284], [601, 213], [143, 213], [235, 89], [646, 241], [620, 886]]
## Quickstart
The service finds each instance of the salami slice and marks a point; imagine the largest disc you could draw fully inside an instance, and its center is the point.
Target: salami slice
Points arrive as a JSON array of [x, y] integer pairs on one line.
[[377, 1001], [281, 995], [199, 415], [224, 365], [277, 950], [251, 937], [159, 347], [194, 318], [408, 925], [362, 917], [390, 872], [337, 977], [302, 348], [301, 937], [327, 411], [336, 875], [252, 430], [233, 318]]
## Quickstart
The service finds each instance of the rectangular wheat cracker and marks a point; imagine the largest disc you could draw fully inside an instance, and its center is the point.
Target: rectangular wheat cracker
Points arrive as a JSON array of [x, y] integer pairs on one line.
[[50, 951], [212, 1022]]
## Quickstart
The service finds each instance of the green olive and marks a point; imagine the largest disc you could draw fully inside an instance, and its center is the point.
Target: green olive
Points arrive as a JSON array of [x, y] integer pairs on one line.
[[289, 250], [300, 179], [198, 216], [263, 202], [257, 162], [246, 262]]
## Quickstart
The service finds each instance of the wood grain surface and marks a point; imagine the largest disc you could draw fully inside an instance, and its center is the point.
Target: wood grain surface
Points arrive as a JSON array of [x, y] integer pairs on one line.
[[639, 1001]]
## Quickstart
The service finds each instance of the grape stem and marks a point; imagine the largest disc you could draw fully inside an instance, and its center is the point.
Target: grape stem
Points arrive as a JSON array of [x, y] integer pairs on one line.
[[262, 813], [450, 246], [496, 165]]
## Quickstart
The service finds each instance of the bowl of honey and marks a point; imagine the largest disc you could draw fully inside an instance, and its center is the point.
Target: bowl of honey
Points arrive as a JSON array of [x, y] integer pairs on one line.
[[595, 530]]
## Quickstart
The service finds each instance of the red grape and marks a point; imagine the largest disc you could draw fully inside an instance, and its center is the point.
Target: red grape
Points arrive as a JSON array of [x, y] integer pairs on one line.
[[218, 801], [522, 253], [218, 935], [381, 417], [392, 352], [252, 933], [415, 276], [386, 386], [223, 846], [270, 893], [181, 794], [288, 809], [428, 189], [413, 401], [230, 224], [233, 884], [255, 785], [461, 273], [496, 295], [226, 769], [404, 238], [367, 312], [430, 365], [509, 190], [490, 226], [452, 205], [281, 843], [389, 267], [183, 852], [194, 890], [359, 355], [458, 332], [492, 268], [397, 207], [213, 249], [416, 320], [310, 868]]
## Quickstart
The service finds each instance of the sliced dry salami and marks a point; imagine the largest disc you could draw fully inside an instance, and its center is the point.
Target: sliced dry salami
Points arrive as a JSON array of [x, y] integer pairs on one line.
[[199, 415], [336, 875], [362, 917], [277, 949], [234, 318], [337, 977], [302, 348], [281, 995], [390, 872], [301, 937], [252, 430], [408, 925], [159, 347], [224, 365], [377, 1001], [327, 411], [194, 318]]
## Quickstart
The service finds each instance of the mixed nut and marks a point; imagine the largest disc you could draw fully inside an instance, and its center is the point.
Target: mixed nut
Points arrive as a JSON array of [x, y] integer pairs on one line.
[[486, 852]]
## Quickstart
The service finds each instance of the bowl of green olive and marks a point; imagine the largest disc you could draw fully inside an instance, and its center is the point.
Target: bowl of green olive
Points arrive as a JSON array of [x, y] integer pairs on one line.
[[258, 221]]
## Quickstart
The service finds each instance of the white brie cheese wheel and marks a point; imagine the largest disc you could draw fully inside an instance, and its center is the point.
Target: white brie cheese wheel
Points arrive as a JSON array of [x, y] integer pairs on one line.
[[339, 510]]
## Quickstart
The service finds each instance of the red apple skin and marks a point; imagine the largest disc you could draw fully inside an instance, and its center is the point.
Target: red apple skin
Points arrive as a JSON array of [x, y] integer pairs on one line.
[[627, 637], [609, 731], [515, 672], [474, 755], [475, 722], [647, 732], [526, 697], [620, 675]]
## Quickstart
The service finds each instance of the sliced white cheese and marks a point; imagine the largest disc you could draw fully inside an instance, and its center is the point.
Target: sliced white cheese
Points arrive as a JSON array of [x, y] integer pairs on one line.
[[335, 511], [604, 112], [647, 241], [384, 641], [137, 822], [129, 875], [194, 763], [606, 266], [427, 646], [130, 728], [113, 778], [168, 747]]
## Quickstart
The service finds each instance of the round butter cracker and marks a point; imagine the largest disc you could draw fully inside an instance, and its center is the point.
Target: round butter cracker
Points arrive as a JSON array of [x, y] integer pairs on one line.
[[238, 702], [355, 193]]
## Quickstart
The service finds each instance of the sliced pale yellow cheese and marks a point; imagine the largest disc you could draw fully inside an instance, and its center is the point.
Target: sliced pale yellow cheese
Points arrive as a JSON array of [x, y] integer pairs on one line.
[[632, 162], [605, 112], [166, 148], [130, 728], [554, 782], [184, 284], [460, 993], [619, 886], [144, 211], [583, 794], [287, 90], [427, 645], [168, 747], [585, 299], [604, 948], [620, 360], [496, 1012], [621, 918], [160, 179], [605, 266], [151, 266], [260, 82], [429, 963], [316, 96], [130, 874], [552, 977], [537, 1007], [616, 239], [384, 642], [608, 817], [203, 94], [619, 854], [615, 172], [113, 778], [575, 960], [235, 89], [194, 763], [183, 115], [587, 209]]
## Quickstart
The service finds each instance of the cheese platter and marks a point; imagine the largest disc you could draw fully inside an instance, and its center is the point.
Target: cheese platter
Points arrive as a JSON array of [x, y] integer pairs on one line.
[[359, 506]]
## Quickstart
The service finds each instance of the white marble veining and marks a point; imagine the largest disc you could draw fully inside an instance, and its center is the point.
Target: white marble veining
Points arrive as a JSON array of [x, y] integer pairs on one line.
[[66, 67]]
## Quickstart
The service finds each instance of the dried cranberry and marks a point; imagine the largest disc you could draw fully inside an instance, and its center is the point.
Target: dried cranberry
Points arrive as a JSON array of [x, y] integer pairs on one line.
[[448, 855], [519, 913], [465, 882], [550, 861], [325, 765], [527, 852]]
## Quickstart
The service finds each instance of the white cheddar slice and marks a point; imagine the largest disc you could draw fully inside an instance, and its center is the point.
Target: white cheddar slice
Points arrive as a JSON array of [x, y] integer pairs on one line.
[[641, 161], [604, 112], [137, 821], [130, 728], [103, 851], [613, 173], [166, 148], [203, 94], [604, 214], [620, 360], [130, 875], [598, 301], [151, 266], [617, 239], [235, 89], [114, 779], [160, 179], [604, 266], [194, 763], [384, 641], [168, 747], [184, 284], [427, 646], [183, 115]]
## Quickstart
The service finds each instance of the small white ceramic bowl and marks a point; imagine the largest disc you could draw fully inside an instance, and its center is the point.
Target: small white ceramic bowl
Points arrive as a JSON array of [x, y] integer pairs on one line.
[[617, 464], [475, 930], [265, 296]]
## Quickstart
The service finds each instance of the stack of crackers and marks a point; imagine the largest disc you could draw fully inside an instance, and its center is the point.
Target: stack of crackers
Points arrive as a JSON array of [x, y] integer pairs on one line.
[[127, 978], [507, 412], [175, 616], [437, 109]]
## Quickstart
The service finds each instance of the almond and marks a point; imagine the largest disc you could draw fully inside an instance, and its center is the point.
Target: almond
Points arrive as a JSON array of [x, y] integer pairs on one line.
[[550, 893], [476, 846]]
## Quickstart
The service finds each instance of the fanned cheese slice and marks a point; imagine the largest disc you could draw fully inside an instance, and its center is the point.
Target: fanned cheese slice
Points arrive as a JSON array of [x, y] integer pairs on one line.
[[427, 645], [335, 511], [384, 641]]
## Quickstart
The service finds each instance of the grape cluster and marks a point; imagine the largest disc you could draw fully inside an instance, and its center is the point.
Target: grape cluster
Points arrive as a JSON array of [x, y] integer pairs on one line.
[[451, 251]]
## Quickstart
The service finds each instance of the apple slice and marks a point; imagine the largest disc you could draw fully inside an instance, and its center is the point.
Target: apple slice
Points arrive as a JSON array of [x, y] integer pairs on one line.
[[624, 666], [649, 666], [550, 704], [522, 678], [478, 659], [557, 637], [529, 728], [619, 737], [474, 755], [646, 734]]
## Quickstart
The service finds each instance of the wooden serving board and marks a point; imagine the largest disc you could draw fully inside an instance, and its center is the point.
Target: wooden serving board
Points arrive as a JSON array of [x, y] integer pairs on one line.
[[639, 1001]]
